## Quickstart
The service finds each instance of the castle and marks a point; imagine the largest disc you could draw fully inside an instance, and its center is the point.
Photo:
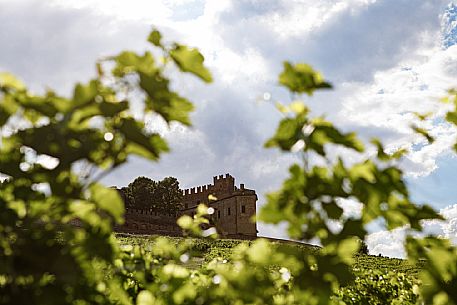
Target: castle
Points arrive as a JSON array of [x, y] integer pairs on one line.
[[233, 217]]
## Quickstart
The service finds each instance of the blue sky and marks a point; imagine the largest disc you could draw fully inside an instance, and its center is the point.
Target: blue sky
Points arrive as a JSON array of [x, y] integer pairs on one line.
[[386, 59]]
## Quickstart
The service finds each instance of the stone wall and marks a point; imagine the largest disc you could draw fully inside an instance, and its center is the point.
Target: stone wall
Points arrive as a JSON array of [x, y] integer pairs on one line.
[[149, 222]]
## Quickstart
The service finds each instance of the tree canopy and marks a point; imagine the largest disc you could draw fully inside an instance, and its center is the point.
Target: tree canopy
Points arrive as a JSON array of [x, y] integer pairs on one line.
[[145, 193]]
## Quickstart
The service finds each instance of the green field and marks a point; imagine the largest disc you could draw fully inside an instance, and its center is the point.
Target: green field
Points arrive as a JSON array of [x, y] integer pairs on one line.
[[377, 279], [222, 248]]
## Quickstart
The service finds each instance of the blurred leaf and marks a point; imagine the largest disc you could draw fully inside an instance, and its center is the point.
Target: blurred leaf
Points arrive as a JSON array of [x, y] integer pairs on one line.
[[288, 133], [8, 80], [109, 200], [424, 133], [169, 105], [145, 298], [347, 248], [363, 171], [452, 117], [129, 62], [140, 143], [333, 210], [155, 37], [302, 78], [84, 94], [190, 60], [185, 222]]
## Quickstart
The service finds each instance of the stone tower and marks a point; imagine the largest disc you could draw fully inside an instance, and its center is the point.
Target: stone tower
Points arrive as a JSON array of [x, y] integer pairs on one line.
[[235, 207]]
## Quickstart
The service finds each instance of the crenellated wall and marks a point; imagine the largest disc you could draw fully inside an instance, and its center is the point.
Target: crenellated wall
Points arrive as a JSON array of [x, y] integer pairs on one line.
[[221, 187]]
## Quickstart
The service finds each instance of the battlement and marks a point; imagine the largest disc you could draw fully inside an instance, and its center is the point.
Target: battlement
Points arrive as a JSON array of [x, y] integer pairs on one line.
[[197, 190], [221, 177], [226, 182]]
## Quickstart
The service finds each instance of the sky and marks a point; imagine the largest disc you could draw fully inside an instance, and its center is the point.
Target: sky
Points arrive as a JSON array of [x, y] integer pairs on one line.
[[386, 59]]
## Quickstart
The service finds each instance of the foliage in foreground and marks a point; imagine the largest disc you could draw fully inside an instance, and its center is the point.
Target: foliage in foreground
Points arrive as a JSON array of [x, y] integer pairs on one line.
[[48, 141], [379, 280]]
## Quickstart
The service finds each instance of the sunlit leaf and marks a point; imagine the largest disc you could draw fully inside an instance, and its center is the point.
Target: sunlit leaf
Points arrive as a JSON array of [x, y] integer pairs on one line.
[[190, 60], [8, 80], [155, 37], [109, 200], [146, 145], [302, 78]]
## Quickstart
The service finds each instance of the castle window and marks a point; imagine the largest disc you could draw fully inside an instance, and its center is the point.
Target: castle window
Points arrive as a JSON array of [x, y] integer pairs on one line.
[[185, 205], [218, 214], [243, 209], [228, 212]]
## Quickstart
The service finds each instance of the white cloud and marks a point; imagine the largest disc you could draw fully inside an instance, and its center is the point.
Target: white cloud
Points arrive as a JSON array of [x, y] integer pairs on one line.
[[387, 243], [390, 101], [391, 243], [351, 207], [449, 225], [140, 10], [300, 18]]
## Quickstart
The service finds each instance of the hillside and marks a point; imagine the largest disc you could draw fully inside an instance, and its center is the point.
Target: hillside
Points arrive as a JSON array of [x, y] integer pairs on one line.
[[222, 248]]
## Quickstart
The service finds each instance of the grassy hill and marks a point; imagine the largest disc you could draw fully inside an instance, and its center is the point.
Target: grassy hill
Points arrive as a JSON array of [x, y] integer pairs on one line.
[[377, 280], [222, 248]]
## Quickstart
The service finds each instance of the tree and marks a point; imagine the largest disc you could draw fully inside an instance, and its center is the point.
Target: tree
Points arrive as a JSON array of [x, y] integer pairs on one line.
[[169, 195], [143, 191], [363, 248], [127, 197]]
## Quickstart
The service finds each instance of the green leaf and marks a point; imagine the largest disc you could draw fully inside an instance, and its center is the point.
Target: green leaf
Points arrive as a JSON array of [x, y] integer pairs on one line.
[[85, 211], [84, 94], [347, 248], [169, 105], [129, 62], [140, 143], [8, 81], [260, 252], [333, 210], [363, 171], [190, 60], [8, 107], [185, 222], [39, 104], [324, 132], [452, 117], [19, 207], [288, 133], [155, 38], [109, 200], [383, 156], [105, 109], [424, 133], [302, 78], [145, 298]]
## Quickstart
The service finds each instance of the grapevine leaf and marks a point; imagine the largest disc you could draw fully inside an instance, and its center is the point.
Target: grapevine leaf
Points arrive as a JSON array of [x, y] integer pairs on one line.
[[190, 60]]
